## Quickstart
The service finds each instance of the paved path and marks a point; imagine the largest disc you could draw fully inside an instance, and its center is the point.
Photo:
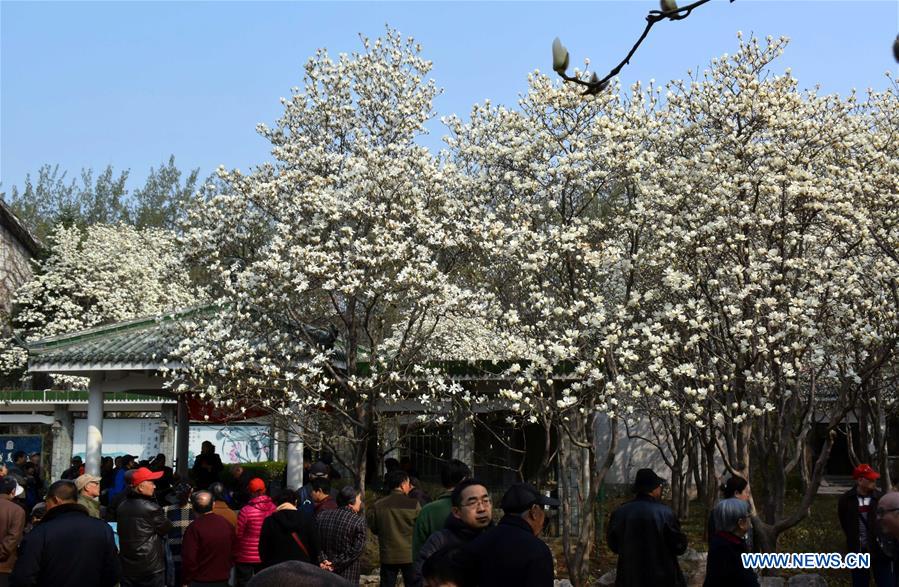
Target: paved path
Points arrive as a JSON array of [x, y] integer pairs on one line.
[[835, 485]]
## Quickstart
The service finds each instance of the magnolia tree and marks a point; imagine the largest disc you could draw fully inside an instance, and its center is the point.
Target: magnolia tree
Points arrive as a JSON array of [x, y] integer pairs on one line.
[[882, 273], [93, 276], [552, 180], [771, 313], [335, 264]]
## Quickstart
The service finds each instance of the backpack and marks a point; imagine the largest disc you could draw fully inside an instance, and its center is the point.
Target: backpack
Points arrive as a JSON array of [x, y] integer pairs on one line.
[[304, 501]]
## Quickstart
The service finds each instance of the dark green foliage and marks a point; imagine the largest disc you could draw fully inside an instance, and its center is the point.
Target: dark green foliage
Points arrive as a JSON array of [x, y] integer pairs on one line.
[[52, 198]]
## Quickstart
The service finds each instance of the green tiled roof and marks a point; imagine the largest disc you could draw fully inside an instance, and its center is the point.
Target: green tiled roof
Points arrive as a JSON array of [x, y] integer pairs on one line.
[[143, 343], [53, 396]]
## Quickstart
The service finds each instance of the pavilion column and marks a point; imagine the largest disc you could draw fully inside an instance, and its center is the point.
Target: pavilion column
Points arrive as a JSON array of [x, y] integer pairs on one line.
[[183, 430], [94, 443], [463, 439], [279, 432], [63, 430], [294, 458], [167, 427]]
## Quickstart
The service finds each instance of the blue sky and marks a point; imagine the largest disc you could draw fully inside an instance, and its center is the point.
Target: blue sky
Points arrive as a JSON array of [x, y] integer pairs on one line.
[[128, 83]]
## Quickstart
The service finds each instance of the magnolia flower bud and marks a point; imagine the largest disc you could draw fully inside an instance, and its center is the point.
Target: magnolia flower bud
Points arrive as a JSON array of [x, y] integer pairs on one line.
[[896, 48], [668, 5], [560, 56]]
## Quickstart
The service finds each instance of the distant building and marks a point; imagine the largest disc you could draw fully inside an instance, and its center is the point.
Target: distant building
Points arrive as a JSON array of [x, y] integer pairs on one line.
[[17, 247]]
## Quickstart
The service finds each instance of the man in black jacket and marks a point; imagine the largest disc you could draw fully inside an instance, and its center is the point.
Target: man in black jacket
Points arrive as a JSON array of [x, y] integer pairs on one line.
[[142, 524], [288, 534], [471, 514], [68, 547], [647, 538], [75, 470], [512, 553], [207, 466], [856, 510]]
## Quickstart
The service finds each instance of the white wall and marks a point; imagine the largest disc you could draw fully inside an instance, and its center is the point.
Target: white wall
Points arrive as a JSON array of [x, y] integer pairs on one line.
[[242, 443], [121, 436]]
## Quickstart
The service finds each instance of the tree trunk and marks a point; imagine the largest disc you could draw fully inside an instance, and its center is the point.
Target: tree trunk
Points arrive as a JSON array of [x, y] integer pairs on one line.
[[580, 477], [768, 534]]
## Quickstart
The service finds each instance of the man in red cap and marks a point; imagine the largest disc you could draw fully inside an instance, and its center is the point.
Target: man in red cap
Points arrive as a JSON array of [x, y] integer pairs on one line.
[[142, 525], [856, 512]]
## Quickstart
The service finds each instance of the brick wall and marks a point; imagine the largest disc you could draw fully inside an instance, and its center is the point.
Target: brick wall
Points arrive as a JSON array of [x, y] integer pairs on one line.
[[15, 269]]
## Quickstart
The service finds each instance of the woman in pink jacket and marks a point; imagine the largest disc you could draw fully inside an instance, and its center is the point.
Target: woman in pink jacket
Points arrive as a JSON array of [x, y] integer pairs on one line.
[[249, 526]]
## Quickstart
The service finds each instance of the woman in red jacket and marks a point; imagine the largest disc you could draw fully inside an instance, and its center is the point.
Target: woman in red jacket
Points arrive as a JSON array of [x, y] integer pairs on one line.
[[249, 527]]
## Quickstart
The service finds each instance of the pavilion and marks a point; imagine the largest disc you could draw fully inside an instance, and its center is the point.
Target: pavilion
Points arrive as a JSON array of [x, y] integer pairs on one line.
[[130, 357]]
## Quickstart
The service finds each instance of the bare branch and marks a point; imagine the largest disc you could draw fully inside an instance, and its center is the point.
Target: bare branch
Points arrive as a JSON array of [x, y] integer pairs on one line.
[[595, 85]]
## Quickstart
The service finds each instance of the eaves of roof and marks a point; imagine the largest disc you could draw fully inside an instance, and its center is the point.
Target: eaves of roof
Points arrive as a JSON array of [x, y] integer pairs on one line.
[[133, 345]]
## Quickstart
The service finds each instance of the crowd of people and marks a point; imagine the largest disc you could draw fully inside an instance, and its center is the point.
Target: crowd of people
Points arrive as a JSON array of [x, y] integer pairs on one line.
[[648, 539], [139, 525]]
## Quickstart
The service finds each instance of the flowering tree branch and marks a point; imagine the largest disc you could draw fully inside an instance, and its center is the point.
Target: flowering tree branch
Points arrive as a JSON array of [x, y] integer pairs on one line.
[[594, 85]]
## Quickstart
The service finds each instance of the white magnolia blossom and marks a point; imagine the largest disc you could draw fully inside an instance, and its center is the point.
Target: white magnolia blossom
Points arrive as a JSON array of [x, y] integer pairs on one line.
[[767, 303], [336, 264], [94, 276], [718, 254], [550, 181]]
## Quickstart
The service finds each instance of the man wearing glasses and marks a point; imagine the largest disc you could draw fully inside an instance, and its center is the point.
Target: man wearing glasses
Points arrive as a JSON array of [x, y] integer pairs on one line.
[[854, 510], [888, 523], [471, 513], [888, 514], [512, 553]]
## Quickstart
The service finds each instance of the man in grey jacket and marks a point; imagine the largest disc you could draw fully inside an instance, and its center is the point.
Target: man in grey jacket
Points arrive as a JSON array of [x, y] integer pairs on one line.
[[470, 516]]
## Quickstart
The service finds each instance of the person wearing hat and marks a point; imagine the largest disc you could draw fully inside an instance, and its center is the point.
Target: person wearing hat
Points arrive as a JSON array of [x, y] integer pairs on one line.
[[12, 524], [88, 491], [647, 537], [855, 509], [249, 528], [68, 548], [512, 553], [305, 501], [142, 525]]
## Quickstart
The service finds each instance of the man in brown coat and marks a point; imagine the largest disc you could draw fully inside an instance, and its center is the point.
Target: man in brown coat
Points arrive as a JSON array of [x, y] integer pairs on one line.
[[12, 523], [220, 504]]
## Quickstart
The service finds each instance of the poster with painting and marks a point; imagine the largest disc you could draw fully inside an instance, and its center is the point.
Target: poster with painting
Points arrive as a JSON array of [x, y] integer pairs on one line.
[[234, 443]]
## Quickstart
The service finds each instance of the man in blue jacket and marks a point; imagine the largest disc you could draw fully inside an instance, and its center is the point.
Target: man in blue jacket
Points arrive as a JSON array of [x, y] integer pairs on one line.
[[68, 548]]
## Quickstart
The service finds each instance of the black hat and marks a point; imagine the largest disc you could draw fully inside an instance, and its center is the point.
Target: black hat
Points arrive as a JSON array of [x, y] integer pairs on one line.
[[318, 469], [647, 480], [522, 496]]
